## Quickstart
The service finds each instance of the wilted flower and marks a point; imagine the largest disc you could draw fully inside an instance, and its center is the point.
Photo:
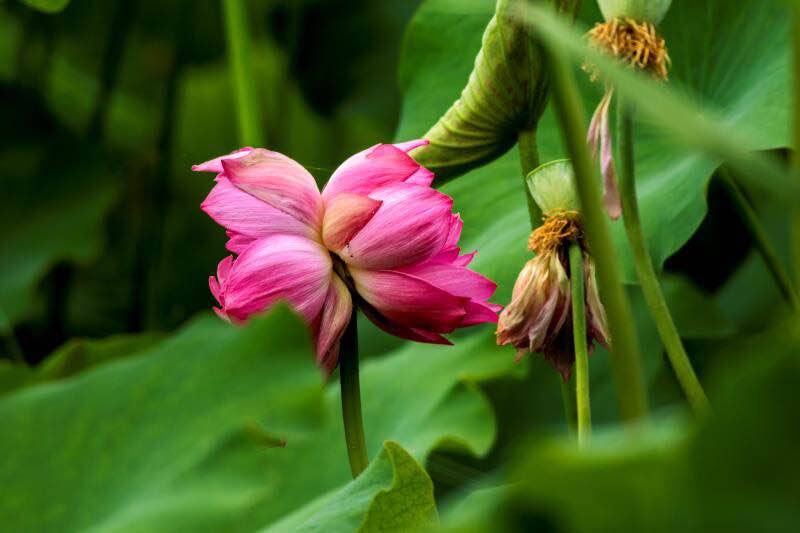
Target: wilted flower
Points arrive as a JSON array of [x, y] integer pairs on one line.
[[635, 42], [539, 317], [378, 237]]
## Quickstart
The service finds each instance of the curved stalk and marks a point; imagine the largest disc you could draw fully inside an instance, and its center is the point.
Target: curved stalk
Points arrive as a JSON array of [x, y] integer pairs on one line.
[[241, 67], [626, 361], [584, 410], [766, 250], [644, 268], [351, 399]]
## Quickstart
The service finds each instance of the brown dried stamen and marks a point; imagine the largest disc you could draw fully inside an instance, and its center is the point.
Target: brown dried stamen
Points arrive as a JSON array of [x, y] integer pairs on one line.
[[559, 226], [635, 43]]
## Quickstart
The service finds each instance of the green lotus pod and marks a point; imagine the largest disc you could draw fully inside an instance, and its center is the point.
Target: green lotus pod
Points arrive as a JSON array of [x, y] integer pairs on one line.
[[552, 186], [506, 93], [641, 10]]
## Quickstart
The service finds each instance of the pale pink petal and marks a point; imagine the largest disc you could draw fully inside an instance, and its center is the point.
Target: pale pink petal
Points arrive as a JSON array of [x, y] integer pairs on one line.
[[410, 301], [345, 215], [278, 267], [410, 145], [279, 181], [375, 167], [412, 225], [215, 165], [245, 215], [336, 314]]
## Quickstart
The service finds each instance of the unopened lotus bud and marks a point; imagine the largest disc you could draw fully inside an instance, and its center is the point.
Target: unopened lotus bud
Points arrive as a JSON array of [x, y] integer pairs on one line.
[[506, 93], [641, 10]]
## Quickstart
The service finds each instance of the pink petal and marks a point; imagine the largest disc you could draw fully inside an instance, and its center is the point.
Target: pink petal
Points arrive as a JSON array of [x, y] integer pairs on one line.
[[215, 165], [410, 145], [246, 217], [412, 225], [345, 215], [393, 328], [456, 280], [336, 314], [278, 267], [410, 301], [279, 181], [375, 167]]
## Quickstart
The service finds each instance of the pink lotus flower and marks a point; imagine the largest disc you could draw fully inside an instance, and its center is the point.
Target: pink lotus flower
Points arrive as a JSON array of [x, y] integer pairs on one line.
[[377, 237]]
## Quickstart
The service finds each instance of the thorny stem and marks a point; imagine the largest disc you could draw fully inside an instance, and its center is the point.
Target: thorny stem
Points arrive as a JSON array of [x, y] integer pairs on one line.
[[645, 270], [584, 410], [626, 360], [750, 219], [241, 69], [351, 399]]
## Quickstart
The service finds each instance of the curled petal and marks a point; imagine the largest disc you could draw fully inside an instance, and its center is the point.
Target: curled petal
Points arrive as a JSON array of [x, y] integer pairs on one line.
[[279, 181], [247, 218], [595, 311], [278, 267], [375, 167], [336, 314], [411, 226], [345, 215], [410, 301], [393, 328], [215, 165], [599, 139]]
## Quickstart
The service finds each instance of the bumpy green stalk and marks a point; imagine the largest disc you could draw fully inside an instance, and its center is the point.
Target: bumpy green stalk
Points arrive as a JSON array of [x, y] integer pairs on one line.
[[584, 410], [646, 272], [351, 399], [241, 68], [626, 360], [750, 219]]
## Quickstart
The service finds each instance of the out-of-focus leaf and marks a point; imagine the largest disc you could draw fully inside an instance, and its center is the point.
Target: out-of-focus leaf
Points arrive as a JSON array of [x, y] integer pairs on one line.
[[728, 474], [400, 492], [49, 218], [224, 428], [47, 6]]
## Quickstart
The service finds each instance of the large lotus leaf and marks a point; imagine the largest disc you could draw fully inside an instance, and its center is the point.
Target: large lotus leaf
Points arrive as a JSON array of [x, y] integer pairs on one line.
[[229, 428], [737, 69]]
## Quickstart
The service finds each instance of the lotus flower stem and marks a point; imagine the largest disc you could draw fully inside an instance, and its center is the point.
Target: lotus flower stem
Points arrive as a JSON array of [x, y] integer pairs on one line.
[[529, 159], [756, 230], [626, 360], [584, 410], [351, 399], [242, 78], [645, 270], [568, 398], [795, 156]]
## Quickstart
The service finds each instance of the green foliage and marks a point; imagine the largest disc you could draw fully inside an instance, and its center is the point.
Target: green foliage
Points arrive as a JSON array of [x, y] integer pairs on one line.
[[47, 6]]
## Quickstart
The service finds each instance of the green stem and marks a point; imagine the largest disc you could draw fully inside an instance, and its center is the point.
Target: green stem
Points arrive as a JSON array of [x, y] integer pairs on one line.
[[529, 160], [646, 272], [351, 399], [584, 410], [626, 360], [766, 250], [568, 398], [795, 156], [242, 77]]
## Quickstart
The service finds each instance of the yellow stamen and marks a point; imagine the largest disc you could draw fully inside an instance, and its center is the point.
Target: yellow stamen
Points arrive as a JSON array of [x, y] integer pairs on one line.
[[635, 43], [559, 226]]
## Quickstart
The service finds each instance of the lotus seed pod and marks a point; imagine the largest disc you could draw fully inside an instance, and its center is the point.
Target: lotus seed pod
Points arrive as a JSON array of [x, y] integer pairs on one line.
[[641, 10], [552, 186]]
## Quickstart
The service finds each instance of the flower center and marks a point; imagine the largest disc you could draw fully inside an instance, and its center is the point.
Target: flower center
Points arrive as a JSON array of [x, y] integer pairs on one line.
[[559, 226], [636, 43]]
